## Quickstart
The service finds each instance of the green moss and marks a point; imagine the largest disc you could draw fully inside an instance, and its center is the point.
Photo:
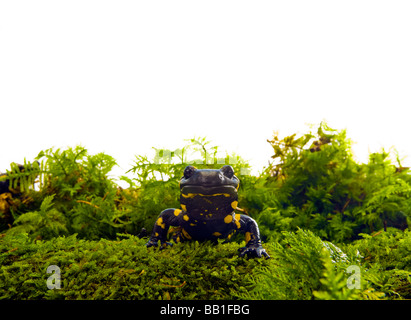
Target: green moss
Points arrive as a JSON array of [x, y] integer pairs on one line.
[[302, 266], [122, 269]]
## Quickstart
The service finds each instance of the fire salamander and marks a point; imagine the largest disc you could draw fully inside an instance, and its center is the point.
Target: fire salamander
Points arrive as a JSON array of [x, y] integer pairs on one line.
[[208, 198]]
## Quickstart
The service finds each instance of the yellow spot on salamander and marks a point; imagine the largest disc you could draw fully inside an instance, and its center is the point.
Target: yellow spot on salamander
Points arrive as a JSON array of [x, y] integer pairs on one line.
[[192, 224], [192, 195], [186, 235], [156, 234], [228, 219], [160, 223], [216, 234], [183, 206], [237, 217], [247, 237], [234, 204], [177, 212], [186, 218]]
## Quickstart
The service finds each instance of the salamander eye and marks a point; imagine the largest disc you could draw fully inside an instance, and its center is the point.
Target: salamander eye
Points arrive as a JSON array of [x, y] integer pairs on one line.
[[188, 171], [228, 171]]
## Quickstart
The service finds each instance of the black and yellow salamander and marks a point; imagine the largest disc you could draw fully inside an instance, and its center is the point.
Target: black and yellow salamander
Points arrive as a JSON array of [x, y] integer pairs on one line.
[[208, 198]]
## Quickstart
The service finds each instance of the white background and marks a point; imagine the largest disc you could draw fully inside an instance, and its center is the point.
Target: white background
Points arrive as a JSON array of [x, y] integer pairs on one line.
[[121, 77]]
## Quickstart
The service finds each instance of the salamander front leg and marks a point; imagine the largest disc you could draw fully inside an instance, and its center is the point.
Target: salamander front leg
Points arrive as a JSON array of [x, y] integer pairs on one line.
[[167, 218], [253, 248]]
